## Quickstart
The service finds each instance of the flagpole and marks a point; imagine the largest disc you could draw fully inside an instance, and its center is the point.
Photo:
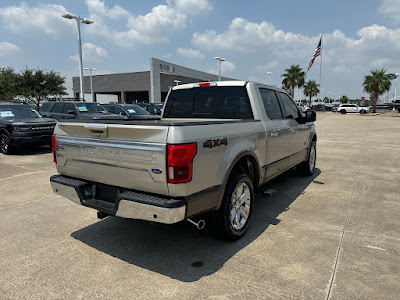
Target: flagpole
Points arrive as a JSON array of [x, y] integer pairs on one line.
[[320, 71]]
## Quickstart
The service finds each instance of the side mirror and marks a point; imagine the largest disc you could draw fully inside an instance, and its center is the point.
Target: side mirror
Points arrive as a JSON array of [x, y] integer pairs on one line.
[[70, 112], [123, 113], [311, 116]]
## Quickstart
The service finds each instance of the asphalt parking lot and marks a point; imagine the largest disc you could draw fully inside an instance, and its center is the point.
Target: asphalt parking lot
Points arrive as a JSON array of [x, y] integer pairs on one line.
[[335, 235]]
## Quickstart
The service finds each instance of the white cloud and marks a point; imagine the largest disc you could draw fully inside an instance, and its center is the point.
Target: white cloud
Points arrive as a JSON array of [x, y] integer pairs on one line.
[[190, 53], [391, 9], [26, 20], [226, 68], [192, 7], [268, 66], [155, 27], [92, 53], [345, 59], [7, 48]]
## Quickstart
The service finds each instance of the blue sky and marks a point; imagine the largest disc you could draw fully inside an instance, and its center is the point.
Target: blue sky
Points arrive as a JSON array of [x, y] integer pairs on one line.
[[266, 36]]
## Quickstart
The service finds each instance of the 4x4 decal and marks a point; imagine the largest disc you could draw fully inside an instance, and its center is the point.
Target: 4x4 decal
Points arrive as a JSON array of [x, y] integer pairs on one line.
[[215, 143]]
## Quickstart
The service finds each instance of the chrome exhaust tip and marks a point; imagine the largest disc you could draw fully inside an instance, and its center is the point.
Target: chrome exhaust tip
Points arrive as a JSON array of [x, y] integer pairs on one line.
[[199, 225]]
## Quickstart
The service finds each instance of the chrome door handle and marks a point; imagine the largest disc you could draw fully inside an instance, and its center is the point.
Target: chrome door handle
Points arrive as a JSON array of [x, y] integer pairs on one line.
[[274, 134]]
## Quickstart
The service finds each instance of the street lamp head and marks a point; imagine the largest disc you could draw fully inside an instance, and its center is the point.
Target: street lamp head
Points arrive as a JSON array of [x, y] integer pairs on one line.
[[87, 21], [69, 16], [219, 58], [397, 74], [269, 73]]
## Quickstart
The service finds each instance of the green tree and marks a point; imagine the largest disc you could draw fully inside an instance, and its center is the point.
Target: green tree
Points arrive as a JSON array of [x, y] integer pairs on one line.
[[376, 84], [311, 89], [293, 77], [36, 85], [344, 99], [9, 84]]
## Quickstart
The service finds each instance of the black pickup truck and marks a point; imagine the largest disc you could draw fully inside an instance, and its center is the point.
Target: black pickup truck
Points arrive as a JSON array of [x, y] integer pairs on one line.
[[21, 125]]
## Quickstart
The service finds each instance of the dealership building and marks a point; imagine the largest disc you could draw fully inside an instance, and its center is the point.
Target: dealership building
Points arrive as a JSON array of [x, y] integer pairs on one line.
[[147, 86]]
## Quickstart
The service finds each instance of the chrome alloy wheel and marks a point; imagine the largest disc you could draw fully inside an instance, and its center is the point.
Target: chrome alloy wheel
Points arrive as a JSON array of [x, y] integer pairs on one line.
[[240, 206], [312, 158]]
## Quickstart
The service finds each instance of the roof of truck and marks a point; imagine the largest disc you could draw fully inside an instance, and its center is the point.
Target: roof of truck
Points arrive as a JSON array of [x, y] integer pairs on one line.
[[212, 83]]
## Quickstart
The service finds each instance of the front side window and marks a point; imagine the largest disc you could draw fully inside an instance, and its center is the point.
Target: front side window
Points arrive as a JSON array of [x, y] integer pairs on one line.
[[290, 109], [271, 104]]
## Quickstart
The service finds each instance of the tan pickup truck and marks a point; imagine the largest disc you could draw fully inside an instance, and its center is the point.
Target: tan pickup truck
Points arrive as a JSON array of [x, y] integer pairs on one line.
[[215, 145]]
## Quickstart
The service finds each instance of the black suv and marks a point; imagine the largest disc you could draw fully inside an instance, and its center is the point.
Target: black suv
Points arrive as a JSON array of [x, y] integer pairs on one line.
[[20, 124], [132, 111], [151, 108], [76, 110]]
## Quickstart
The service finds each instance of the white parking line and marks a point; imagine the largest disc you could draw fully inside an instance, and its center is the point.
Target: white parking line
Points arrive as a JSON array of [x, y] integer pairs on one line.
[[19, 175], [375, 248]]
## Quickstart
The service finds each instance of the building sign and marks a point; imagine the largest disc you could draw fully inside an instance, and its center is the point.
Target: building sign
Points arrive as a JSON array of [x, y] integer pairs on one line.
[[167, 68]]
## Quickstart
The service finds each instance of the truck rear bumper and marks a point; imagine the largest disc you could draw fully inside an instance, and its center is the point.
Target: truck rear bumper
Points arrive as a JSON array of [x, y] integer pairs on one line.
[[122, 203]]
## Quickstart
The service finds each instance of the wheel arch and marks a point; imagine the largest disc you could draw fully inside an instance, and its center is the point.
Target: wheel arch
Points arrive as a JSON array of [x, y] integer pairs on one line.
[[247, 162]]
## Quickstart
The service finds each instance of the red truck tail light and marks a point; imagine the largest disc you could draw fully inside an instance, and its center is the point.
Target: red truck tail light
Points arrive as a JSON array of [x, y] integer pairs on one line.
[[53, 147], [180, 162]]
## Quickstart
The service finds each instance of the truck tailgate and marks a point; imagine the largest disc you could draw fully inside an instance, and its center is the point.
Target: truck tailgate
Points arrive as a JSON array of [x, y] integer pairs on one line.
[[128, 156]]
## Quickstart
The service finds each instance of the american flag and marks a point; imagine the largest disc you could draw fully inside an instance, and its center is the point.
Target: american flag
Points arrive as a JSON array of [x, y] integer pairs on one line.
[[316, 53]]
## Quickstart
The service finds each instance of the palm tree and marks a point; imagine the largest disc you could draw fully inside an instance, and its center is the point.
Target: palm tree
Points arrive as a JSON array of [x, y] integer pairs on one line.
[[311, 89], [376, 84], [344, 99], [294, 77]]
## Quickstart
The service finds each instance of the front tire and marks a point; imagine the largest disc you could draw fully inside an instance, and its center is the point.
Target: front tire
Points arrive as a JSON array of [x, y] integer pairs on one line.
[[307, 167], [236, 209], [5, 144]]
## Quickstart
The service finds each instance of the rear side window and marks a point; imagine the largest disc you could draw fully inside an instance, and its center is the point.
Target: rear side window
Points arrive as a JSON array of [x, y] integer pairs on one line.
[[209, 103], [46, 106], [57, 108], [67, 107], [271, 104], [290, 109]]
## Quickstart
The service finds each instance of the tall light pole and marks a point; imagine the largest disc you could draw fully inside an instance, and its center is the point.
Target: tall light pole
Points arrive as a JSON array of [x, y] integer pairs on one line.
[[79, 20], [269, 77], [91, 81], [220, 59]]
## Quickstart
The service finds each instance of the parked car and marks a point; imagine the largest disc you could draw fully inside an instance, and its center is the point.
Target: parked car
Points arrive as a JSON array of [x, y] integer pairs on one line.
[[160, 106], [76, 110], [151, 108], [335, 107], [21, 125], [207, 153], [384, 106], [396, 104], [132, 111], [352, 108], [328, 107], [318, 107], [302, 106]]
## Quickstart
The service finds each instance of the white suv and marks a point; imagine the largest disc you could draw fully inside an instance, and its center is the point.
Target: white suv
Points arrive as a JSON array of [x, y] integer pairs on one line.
[[352, 108]]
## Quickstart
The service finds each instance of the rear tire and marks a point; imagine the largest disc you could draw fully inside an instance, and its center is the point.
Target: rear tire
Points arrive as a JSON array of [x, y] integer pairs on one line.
[[233, 217], [307, 167], [343, 112], [5, 144]]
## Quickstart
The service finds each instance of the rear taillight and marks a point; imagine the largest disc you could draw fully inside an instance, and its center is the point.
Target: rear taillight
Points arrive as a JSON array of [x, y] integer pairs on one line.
[[53, 147], [180, 162]]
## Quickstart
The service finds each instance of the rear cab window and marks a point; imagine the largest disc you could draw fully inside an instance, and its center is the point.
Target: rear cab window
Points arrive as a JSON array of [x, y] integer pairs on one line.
[[222, 102]]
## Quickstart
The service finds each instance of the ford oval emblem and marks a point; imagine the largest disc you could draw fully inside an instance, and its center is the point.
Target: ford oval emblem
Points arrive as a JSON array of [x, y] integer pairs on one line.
[[156, 171]]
